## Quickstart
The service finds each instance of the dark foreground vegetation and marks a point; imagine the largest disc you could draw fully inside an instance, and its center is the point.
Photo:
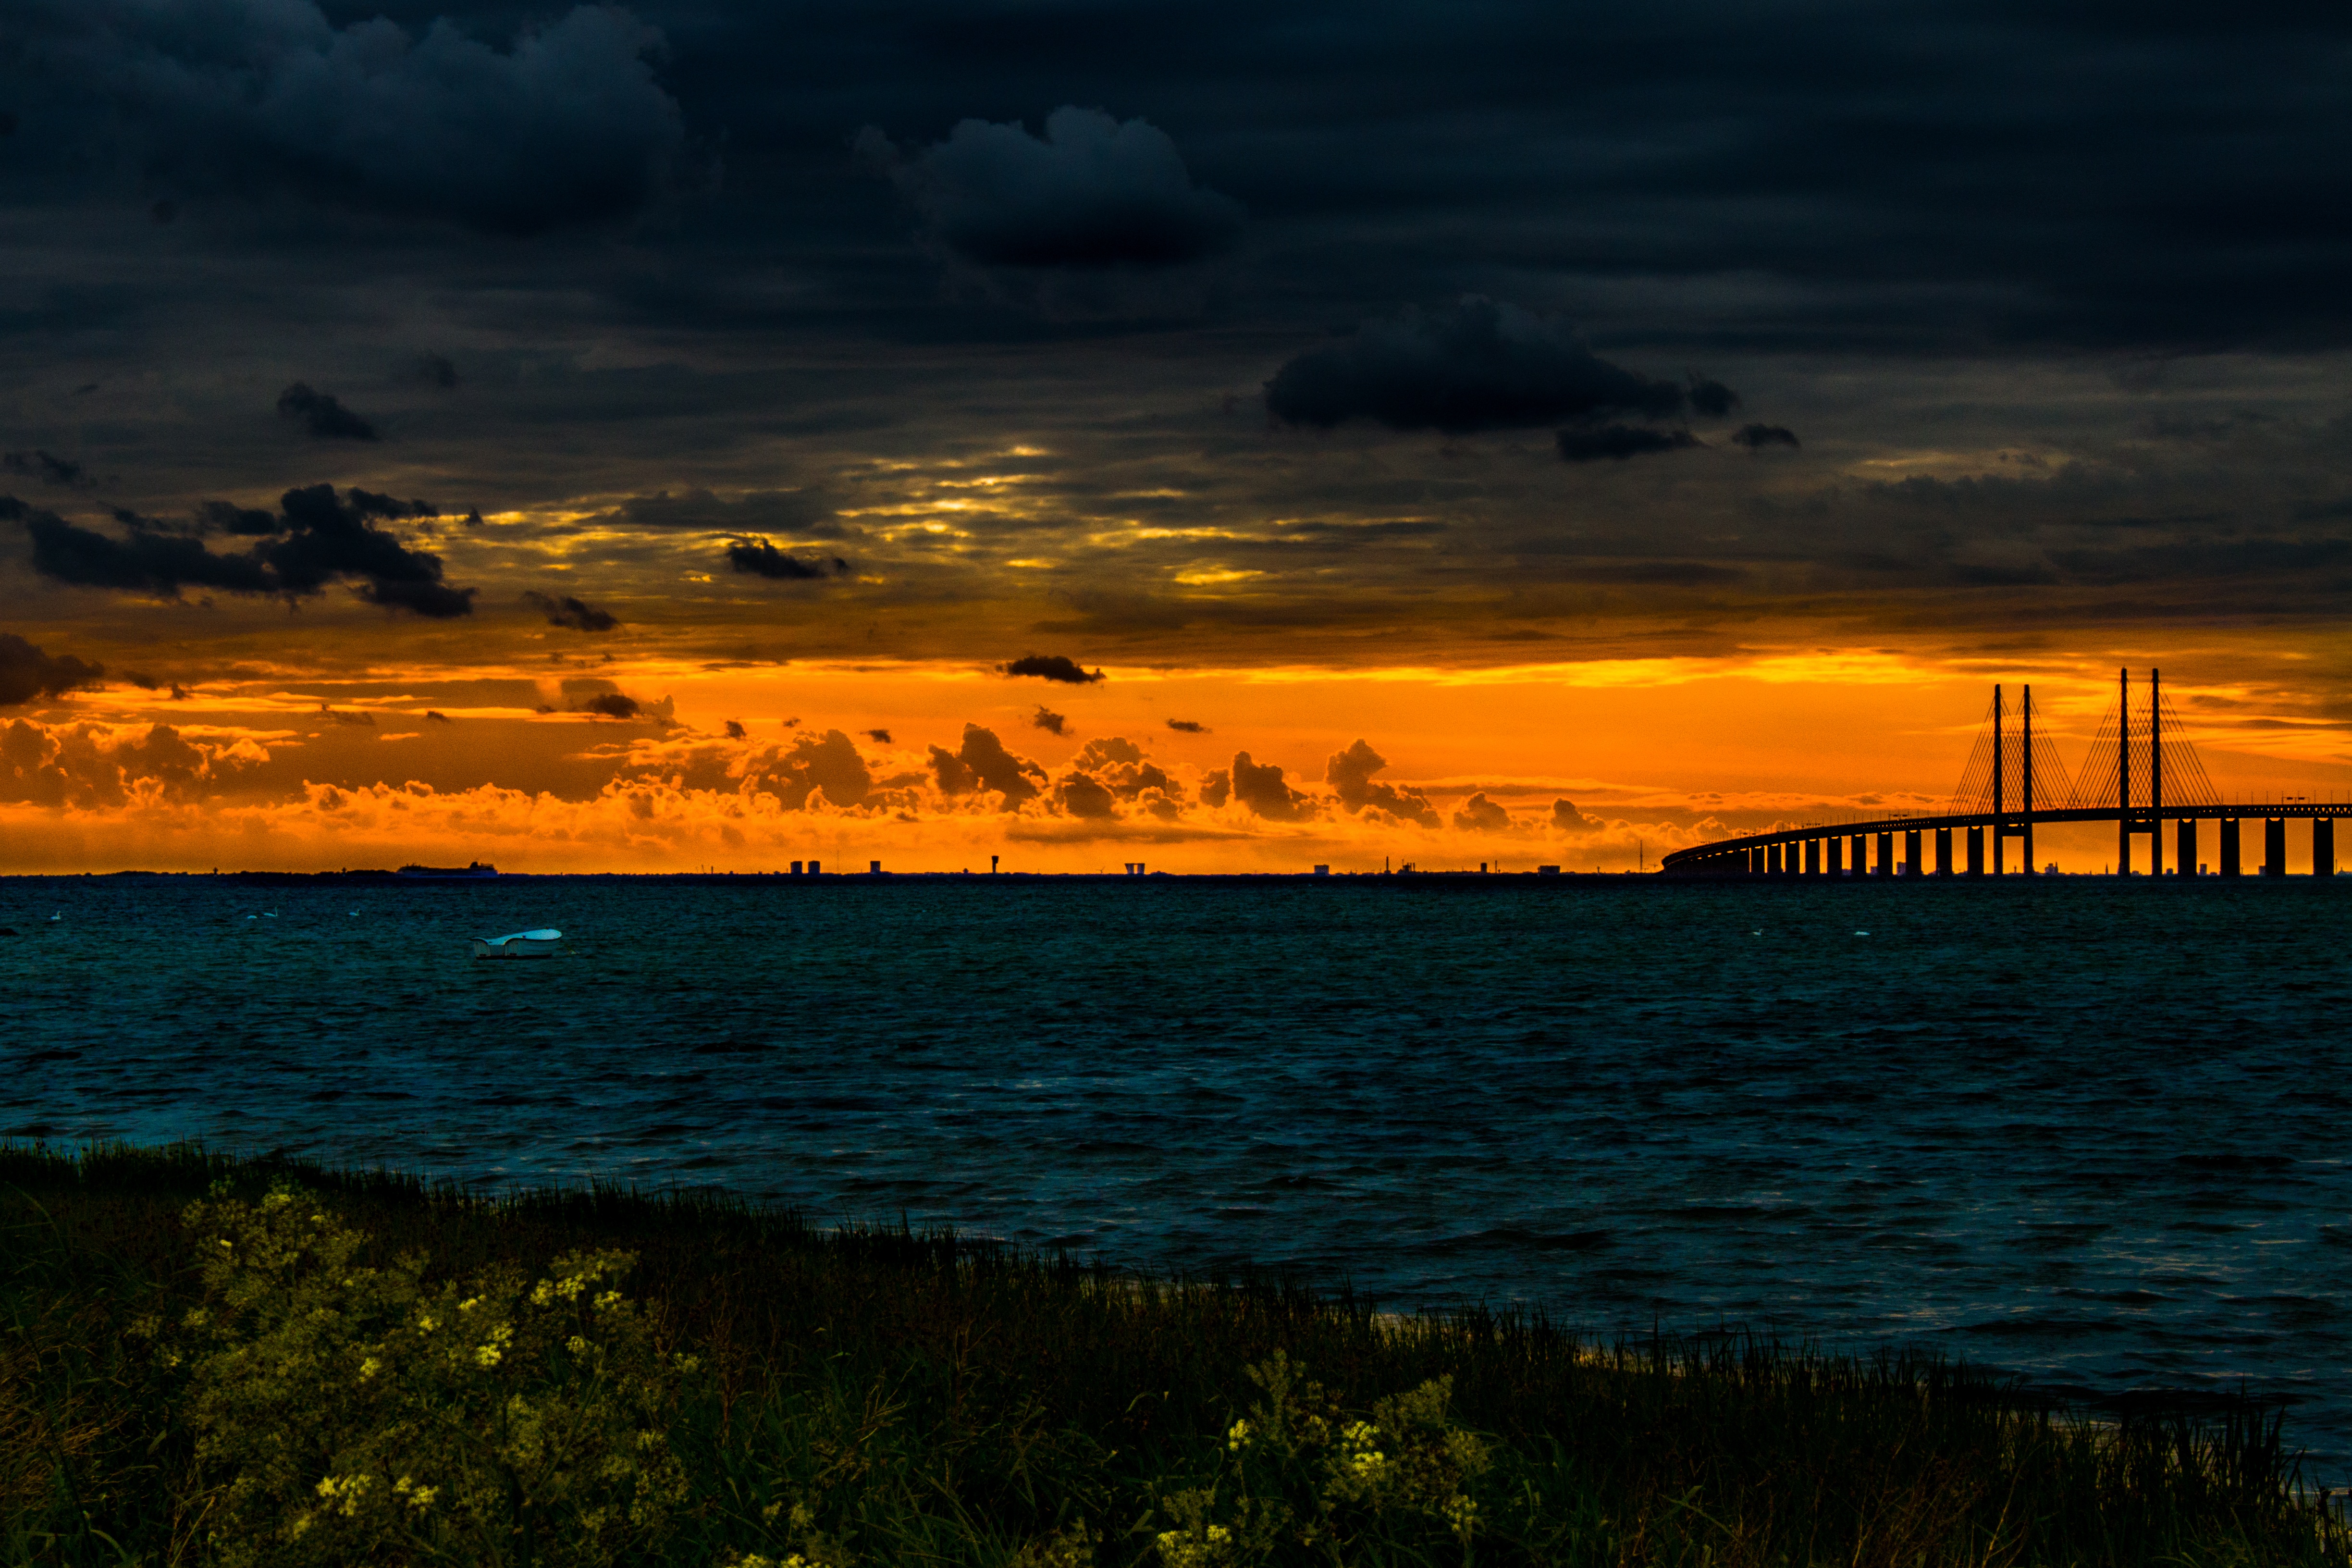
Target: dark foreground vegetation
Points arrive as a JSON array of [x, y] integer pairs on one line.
[[207, 1360]]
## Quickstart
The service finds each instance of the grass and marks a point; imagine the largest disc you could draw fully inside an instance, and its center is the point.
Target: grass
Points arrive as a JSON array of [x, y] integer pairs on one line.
[[886, 1396]]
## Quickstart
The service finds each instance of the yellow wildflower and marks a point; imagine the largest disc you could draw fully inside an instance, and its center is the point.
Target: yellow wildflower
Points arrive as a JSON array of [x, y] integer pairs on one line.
[[369, 1368]]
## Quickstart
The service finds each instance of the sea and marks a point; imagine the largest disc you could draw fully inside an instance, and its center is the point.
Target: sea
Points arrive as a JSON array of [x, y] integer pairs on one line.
[[2087, 1134]]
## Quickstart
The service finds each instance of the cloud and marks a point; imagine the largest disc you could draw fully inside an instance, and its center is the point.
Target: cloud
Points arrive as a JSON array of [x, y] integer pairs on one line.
[[1188, 726], [1092, 192], [349, 716], [1755, 437], [323, 416], [1476, 365], [27, 672], [1350, 774], [612, 705], [1116, 766], [436, 371], [570, 612], [1051, 667], [983, 763], [1261, 787], [565, 125], [1479, 815], [879, 737], [46, 466], [145, 562], [1566, 818], [434, 716], [1080, 796], [762, 559], [1620, 442], [226, 517], [1711, 398], [827, 762], [1046, 718], [91, 766], [750, 515], [367, 503], [735, 730]]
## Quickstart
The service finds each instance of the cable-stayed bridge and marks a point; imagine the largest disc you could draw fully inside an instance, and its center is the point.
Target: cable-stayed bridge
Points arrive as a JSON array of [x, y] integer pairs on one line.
[[2141, 773]]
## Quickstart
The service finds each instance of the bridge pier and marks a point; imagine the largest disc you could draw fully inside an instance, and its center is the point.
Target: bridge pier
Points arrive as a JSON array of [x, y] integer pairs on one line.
[[1943, 851], [1834, 856], [2228, 852], [1812, 857], [1975, 851], [2323, 846], [1887, 854], [2185, 846], [1861, 845], [2274, 846]]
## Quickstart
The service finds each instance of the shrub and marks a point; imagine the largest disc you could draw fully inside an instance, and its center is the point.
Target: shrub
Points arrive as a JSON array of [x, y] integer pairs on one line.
[[343, 1414], [1298, 1475]]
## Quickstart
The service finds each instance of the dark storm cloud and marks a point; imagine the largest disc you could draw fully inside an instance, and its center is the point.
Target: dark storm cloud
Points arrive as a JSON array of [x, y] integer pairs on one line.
[[1046, 718], [46, 466], [316, 539], [323, 416], [1051, 667], [1619, 442], [1755, 437], [1188, 726], [1711, 398], [612, 705], [27, 672], [735, 730], [879, 737], [367, 503], [226, 517], [142, 562], [1476, 365], [797, 511], [1091, 193], [564, 124], [760, 558], [570, 612]]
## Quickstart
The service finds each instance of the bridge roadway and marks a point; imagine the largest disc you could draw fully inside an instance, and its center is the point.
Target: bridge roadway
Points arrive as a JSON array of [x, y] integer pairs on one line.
[[1817, 849]]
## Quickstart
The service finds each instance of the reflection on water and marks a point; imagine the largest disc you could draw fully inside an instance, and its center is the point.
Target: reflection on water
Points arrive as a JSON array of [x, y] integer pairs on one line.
[[2091, 1133]]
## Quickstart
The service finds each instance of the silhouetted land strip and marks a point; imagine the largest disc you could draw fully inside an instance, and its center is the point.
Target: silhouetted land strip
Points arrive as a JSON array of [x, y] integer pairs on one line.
[[866, 1395]]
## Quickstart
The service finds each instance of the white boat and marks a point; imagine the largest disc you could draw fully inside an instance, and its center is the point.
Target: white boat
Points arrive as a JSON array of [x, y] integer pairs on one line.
[[542, 943]]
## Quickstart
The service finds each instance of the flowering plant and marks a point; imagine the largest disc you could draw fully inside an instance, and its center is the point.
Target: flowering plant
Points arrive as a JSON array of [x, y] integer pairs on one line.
[[344, 1413]]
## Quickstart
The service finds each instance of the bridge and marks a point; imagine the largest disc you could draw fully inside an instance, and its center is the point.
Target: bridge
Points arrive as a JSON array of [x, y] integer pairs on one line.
[[2137, 777]]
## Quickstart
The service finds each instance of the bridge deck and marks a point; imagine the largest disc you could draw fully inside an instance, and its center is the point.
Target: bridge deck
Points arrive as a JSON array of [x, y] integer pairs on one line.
[[1689, 859]]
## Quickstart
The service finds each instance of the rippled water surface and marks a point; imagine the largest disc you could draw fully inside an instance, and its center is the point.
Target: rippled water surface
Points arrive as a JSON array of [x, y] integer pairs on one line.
[[2091, 1133]]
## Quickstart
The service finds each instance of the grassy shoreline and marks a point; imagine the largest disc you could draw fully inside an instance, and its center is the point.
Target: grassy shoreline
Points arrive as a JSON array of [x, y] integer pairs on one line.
[[249, 1381]]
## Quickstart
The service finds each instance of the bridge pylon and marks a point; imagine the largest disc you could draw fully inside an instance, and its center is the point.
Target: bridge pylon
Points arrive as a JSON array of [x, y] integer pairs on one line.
[[2007, 777]]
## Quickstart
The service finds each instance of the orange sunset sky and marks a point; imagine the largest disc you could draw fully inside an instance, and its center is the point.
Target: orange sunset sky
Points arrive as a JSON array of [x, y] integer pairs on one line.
[[647, 440]]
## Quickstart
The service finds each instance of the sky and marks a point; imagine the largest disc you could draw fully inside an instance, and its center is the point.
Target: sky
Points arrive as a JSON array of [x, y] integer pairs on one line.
[[1229, 438]]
